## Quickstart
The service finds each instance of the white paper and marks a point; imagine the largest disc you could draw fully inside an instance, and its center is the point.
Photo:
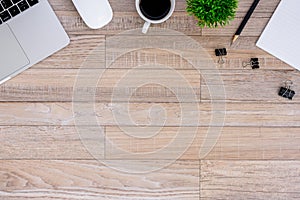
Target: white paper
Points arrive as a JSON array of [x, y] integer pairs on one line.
[[281, 37]]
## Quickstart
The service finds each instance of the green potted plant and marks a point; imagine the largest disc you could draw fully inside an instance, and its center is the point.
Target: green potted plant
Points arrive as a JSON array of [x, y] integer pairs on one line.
[[212, 13]]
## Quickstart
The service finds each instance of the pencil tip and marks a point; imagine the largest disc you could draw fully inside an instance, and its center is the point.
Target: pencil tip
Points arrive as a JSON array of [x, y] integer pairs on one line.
[[235, 37]]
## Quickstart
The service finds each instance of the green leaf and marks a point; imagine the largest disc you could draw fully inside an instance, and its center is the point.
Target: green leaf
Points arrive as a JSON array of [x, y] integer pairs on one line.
[[212, 13]]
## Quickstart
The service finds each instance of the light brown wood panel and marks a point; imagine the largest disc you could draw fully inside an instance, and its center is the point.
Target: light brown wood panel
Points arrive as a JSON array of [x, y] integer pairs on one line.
[[141, 85], [250, 85], [72, 56], [92, 180], [250, 180], [256, 23], [123, 21], [129, 6], [247, 143], [155, 114], [238, 143], [41, 142], [126, 18], [179, 21], [123, 143], [42, 156], [254, 27], [58, 5], [242, 51], [263, 6], [117, 6], [240, 85], [90, 48], [236, 59], [83, 46]]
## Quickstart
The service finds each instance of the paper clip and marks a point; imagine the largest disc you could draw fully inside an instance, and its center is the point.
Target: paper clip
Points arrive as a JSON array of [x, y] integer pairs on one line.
[[220, 53], [254, 63], [286, 91]]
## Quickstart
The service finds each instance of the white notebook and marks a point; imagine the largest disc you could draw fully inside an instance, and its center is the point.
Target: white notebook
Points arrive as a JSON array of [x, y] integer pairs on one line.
[[281, 37]]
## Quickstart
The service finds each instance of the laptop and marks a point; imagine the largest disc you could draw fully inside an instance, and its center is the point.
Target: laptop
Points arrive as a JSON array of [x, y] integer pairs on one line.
[[29, 32]]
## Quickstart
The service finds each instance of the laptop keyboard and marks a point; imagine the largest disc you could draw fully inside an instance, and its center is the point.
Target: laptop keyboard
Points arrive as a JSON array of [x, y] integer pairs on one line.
[[11, 8]]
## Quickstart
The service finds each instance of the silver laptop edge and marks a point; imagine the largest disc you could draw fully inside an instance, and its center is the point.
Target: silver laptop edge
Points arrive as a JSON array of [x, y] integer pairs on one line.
[[29, 38]]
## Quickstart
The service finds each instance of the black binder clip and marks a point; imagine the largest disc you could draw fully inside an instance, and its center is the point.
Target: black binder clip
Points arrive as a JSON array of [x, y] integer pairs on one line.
[[286, 91], [254, 63], [220, 53]]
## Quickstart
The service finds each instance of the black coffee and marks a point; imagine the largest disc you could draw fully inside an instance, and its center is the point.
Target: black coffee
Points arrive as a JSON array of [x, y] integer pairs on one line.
[[155, 9]]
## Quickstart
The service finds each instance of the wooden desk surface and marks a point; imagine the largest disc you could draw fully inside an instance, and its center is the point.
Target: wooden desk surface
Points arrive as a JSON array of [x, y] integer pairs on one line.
[[256, 157]]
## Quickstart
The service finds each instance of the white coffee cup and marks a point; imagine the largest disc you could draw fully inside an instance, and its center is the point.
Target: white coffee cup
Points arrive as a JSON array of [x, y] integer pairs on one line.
[[148, 22]]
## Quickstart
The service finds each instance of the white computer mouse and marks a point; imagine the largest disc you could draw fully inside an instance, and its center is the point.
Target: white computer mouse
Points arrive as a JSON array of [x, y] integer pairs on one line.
[[95, 13]]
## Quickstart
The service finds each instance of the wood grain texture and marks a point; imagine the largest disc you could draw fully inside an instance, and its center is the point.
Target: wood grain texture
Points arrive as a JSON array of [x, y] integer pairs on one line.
[[123, 21], [59, 84], [129, 6], [92, 180], [74, 55], [236, 114], [82, 46], [256, 156], [234, 143], [126, 18], [41, 142], [161, 85], [178, 22], [250, 180], [249, 85]]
